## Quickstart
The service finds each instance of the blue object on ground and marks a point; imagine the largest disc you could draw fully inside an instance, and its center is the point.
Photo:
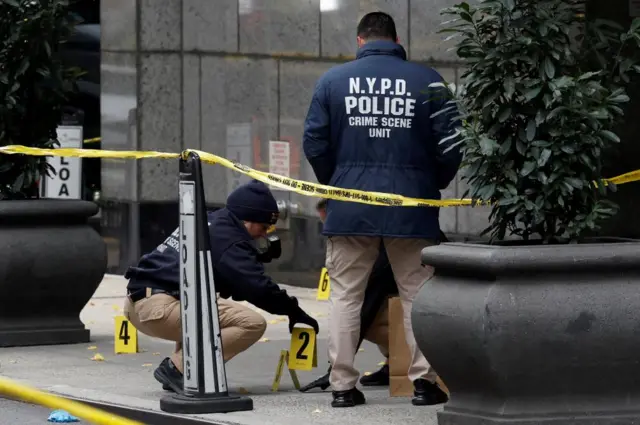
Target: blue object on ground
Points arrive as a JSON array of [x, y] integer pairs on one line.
[[62, 416]]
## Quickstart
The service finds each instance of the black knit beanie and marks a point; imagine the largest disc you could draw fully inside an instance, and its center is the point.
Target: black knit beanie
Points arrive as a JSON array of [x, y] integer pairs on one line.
[[253, 202]]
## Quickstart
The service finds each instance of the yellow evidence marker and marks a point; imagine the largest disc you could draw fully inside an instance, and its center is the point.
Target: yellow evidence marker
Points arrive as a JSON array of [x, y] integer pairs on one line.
[[126, 336], [303, 350], [324, 285], [282, 362]]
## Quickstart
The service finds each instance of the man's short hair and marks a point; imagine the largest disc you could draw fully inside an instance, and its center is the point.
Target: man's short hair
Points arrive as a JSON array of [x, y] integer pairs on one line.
[[322, 204], [377, 25]]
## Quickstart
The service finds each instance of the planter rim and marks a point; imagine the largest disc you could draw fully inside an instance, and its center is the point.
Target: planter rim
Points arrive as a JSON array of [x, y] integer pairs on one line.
[[46, 208], [482, 259]]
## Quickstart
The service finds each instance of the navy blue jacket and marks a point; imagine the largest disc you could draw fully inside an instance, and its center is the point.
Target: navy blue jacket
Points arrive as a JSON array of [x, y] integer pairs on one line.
[[369, 127], [237, 272]]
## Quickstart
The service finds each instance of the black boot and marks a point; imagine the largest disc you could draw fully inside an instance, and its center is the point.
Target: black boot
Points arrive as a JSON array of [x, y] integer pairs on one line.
[[377, 379], [427, 394], [169, 376], [349, 398]]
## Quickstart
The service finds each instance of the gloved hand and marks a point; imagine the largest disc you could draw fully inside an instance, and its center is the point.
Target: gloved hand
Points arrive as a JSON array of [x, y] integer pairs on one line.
[[300, 316]]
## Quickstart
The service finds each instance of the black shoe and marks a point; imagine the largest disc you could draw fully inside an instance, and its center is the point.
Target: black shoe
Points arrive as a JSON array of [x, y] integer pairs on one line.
[[169, 376], [427, 394], [377, 379], [349, 398]]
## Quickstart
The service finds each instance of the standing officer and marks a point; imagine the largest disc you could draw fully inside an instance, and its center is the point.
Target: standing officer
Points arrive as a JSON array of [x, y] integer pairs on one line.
[[374, 317], [370, 127], [153, 304]]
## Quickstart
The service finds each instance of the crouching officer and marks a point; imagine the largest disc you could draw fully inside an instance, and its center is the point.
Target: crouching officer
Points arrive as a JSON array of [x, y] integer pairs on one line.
[[153, 304]]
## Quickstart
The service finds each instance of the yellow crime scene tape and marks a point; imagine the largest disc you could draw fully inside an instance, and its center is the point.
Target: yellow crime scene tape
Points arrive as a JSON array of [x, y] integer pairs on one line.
[[286, 183], [298, 186], [82, 411], [632, 176]]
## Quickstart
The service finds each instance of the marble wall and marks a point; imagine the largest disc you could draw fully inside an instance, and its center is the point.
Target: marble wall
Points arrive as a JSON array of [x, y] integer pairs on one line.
[[228, 76]]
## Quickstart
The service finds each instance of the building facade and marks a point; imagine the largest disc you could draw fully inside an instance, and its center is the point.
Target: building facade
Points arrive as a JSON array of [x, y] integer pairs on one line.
[[228, 77]]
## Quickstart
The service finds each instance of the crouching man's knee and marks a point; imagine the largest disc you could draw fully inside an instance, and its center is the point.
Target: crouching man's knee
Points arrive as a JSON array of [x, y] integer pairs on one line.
[[241, 328], [256, 327]]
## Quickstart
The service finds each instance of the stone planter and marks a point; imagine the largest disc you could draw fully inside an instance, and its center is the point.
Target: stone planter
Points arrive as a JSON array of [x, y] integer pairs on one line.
[[533, 334], [51, 264]]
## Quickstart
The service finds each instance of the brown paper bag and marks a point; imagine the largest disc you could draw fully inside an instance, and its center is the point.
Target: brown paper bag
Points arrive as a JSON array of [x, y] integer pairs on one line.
[[399, 354]]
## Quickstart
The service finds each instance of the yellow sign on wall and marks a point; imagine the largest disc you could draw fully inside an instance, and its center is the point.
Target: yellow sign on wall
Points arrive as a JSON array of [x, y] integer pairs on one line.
[[126, 336], [324, 285], [303, 353]]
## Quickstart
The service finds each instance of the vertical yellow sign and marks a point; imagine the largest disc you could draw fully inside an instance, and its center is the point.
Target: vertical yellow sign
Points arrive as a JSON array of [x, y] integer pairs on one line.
[[126, 336], [303, 351], [284, 360], [324, 285], [281, 362]]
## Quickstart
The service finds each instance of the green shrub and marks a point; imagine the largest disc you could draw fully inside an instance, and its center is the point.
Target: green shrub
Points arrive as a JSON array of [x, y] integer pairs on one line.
[[33, 87], [542, 96]]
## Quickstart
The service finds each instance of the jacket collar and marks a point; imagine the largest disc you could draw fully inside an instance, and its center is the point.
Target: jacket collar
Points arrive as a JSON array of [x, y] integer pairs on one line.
[[239, 223], [382, 47]]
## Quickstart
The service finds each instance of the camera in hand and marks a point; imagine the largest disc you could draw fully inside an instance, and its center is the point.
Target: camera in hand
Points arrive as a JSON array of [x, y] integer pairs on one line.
[[269, 248]]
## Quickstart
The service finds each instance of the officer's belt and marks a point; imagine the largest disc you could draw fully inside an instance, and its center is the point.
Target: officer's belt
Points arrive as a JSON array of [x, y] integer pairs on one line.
[[143, 293]]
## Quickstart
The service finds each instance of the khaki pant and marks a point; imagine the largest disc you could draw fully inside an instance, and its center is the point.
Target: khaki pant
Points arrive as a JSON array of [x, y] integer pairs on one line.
[[378, 333], [349, 262], [159, 316]]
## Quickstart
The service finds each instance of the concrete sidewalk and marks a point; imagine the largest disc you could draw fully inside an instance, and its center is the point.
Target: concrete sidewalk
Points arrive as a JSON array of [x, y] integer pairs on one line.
[[127, 379]]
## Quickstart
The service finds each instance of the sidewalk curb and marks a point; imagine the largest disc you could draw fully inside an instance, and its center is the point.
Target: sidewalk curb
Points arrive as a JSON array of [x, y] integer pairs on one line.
[[149, 417]]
